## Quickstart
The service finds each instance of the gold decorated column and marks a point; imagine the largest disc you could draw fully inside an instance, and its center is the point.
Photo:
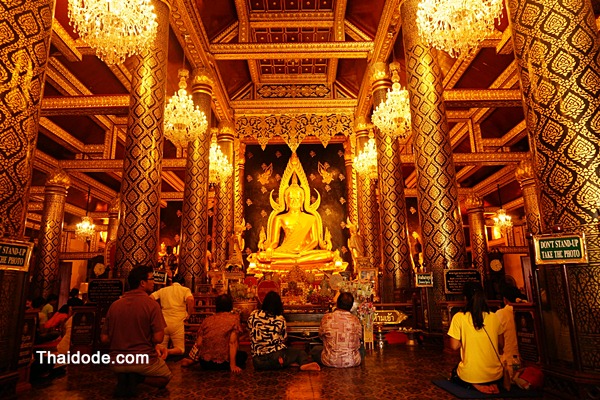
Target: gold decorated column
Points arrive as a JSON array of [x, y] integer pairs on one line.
[[367, 206], [557, 49], [238, 173], [437, 191], [24, 49], [194, 223], [138, 232], [474, 205], [224, 200], [113, 218], [46, 269], [526, 176], [558, 54], [349, 154], [394, 230]]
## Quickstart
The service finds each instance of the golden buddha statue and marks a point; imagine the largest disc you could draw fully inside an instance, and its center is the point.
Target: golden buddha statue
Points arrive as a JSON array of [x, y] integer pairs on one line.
[[303, 243]]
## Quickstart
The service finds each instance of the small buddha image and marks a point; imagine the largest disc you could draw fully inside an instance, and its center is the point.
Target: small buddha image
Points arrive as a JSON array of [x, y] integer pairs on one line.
[[162, 253], [417, 251]]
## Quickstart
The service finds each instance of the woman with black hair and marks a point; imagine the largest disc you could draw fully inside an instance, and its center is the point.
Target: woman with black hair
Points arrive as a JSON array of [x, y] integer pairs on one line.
[[268, 334], [477, 333], [216, 346]]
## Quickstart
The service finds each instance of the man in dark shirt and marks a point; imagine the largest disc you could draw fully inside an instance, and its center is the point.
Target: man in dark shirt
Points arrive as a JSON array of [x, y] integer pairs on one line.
[[134, 327]]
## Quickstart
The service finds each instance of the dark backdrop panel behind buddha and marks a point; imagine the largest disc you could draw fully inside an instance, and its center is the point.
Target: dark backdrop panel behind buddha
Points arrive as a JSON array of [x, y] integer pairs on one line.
[[264, 170]]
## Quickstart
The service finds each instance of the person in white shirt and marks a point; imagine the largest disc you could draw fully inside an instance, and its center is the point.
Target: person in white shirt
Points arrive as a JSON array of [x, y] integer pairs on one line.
[[510, 294], [177, 303]]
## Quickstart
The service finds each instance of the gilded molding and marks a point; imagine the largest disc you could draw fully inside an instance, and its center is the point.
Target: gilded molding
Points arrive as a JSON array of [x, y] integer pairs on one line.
[[280, 106], [64, 43], [293, 91], [86, 105], [481, 98], [355, 32], [256, 51], [289, 17]]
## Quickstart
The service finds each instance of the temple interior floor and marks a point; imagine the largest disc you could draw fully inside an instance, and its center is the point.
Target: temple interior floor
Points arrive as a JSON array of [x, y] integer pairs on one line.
[[394, 372]]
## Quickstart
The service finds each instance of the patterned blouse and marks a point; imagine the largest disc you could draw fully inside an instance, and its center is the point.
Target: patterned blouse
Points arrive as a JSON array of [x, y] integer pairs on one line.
[[341, 332], [267, 332], [215, 331]]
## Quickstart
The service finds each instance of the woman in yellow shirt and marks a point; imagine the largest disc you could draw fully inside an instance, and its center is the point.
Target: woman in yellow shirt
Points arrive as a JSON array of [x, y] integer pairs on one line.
[[477, 333]]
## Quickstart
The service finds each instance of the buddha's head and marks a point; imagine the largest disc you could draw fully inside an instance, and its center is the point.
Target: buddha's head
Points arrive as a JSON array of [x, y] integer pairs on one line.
[[294, 197]]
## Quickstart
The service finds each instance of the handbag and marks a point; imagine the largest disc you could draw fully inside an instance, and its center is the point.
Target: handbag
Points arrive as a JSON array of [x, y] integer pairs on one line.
[[506, 379]]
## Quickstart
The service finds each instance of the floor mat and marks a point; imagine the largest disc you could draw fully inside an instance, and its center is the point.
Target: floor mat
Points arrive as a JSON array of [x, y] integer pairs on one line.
[[463, 393]]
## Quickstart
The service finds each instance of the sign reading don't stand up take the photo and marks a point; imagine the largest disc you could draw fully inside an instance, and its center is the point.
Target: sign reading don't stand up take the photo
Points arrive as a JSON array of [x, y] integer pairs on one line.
[[560, 249], [15, 255]]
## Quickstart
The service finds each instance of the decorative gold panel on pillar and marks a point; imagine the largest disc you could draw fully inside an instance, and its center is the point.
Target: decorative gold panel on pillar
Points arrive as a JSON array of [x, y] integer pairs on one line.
[[46, 268], [194, 223], [367, 209], [557, 48], [224, 200], [114, 213], [526, 176], [394, 238], [24, 47], [437, 192], [238, 189], [474, 205], [140, 189], [349, 155]]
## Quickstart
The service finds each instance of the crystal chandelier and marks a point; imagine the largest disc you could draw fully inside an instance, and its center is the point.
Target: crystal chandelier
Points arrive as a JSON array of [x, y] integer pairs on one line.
[[184, 122], [502, 220], [115, 28], [366, 161], [392, 116], [86, 228], [457, 26], [219, 166]]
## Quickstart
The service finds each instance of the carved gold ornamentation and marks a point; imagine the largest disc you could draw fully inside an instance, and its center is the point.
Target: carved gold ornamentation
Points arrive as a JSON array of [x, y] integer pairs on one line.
[[294, 127], [293, 91], [140, 188], [525, 174], [59, 178]]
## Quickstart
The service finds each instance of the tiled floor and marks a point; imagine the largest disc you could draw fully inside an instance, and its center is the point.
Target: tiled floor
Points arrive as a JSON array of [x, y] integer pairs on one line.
[[395, 372]]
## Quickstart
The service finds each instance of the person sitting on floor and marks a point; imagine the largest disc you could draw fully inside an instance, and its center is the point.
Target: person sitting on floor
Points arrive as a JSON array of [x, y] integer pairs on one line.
[[510, 295], [216, 347], [341, 332], [477, 333], [267, 339], [134, 325]]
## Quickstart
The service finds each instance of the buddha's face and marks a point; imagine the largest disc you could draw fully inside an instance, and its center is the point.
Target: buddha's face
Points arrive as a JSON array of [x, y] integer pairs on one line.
[[294, 198]]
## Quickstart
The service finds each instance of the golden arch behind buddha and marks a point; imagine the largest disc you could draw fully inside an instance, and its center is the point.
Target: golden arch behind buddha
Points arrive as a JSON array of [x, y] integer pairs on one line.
[[295, 236]]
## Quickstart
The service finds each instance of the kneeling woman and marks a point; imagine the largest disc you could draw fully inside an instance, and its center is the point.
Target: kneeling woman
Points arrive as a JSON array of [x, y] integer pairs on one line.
[[268, 334], [477, 333], [216, 347]]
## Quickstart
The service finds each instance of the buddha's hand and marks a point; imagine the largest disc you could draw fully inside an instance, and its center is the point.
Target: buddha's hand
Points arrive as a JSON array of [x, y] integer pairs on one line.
[[268, 254]]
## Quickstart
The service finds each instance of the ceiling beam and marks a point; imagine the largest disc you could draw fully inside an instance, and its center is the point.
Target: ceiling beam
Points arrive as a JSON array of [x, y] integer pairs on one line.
[[277, 51], [86, 105]]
